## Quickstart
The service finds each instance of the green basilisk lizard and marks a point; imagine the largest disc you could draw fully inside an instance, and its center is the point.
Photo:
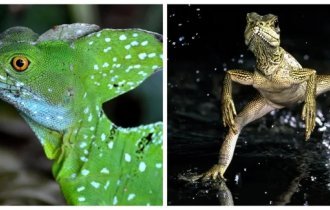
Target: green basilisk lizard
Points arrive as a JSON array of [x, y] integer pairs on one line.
[[58, 82], [280, 80]]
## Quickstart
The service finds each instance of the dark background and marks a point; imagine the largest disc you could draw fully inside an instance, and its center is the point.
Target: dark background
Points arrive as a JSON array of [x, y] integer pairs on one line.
[[25, 173], [220, 31], [272, 165]]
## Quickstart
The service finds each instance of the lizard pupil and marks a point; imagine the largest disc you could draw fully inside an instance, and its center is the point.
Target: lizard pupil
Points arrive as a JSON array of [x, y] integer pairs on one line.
[[20, 63]]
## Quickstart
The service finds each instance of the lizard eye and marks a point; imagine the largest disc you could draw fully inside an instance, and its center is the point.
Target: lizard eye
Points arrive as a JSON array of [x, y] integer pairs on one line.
[[20, 63], [276, 23]]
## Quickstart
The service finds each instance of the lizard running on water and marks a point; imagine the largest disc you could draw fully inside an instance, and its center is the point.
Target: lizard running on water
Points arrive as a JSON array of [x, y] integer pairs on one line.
[[58, 82], [278, 77]]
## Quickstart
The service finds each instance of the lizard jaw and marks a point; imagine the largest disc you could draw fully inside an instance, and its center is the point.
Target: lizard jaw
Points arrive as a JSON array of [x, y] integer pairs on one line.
[[35, 108], [4, 86], [270, 37]]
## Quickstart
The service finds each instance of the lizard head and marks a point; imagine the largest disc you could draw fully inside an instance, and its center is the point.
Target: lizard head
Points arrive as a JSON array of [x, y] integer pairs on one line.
[[58, 78], [262, 31], [35, 79]]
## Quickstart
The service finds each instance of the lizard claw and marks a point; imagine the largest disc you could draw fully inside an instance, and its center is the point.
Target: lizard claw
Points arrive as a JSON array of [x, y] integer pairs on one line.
[[215, 174], [308, 114], [228, 113]]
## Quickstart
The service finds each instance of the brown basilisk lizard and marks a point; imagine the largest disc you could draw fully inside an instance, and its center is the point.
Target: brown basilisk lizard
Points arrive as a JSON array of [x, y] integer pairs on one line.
[[278, 77]]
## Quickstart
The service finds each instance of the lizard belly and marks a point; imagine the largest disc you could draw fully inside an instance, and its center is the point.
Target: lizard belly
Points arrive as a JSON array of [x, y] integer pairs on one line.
[[285, 97]]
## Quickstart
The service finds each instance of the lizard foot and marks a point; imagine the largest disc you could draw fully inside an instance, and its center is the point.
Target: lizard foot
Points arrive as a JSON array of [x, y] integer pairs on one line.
[[216, 172], [228, 113], [308, 114]]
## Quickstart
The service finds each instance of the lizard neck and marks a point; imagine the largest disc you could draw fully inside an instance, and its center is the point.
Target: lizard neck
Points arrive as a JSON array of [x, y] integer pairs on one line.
[[97, 156], [267, 58], [89, 131]]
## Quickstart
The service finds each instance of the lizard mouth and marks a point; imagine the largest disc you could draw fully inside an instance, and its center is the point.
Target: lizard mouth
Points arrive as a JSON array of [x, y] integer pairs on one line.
[[10, 88], [9, 92], [269, 37]]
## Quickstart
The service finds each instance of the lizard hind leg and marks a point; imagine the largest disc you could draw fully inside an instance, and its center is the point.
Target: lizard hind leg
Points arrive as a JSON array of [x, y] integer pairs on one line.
[[252, 111]]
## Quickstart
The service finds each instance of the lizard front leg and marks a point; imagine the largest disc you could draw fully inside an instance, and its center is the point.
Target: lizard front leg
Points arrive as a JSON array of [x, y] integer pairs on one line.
[[309, 109], [252, 111], [228, 107]]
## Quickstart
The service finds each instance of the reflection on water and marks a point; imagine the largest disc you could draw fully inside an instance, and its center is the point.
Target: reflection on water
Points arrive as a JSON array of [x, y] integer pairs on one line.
[[272, 165]]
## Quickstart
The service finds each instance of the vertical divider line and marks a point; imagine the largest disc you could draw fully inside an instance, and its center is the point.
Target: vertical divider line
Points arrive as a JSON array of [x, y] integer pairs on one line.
[[164, 103]]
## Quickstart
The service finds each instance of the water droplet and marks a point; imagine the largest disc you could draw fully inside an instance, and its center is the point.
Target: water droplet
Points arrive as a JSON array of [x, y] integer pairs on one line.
[[237, 178]]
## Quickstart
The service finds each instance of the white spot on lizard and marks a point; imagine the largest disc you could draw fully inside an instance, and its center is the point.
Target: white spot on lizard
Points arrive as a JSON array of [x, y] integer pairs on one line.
[[122, 37], [127, 157], [81, 199], [142, 56], [85, 172], [95, 184], [103, 136], [110, 144], [83, 144], [105, 65], [134, 43], [82, 188], [151, 55], [106, 185], [131, 196], [142, 166], [115, 200], [105, 171], [144, 43]]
